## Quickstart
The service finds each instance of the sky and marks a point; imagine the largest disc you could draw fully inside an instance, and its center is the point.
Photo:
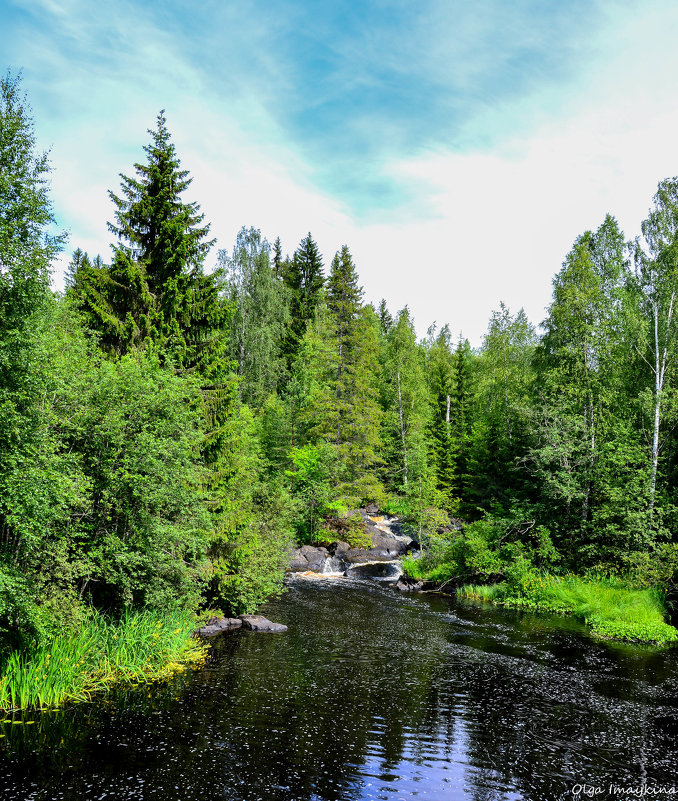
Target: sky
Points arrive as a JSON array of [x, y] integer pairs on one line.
[[457, 148]]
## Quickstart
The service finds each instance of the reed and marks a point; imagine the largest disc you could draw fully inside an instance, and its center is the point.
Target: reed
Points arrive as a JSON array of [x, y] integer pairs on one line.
[[141, 647]]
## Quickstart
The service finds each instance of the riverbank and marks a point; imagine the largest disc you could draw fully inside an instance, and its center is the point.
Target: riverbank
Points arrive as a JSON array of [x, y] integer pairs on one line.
[[612, 609], [142, 647]]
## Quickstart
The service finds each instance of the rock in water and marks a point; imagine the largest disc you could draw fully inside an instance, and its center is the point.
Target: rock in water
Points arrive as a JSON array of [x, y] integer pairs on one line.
[[408, 584], [260, 623], [217, 625]]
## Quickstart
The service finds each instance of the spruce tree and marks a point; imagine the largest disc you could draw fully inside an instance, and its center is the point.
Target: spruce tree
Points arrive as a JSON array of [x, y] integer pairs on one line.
[[344, 301], [277, 260], [461, 415], [153, 224], [385, 317], [303, 276], [355, 342], [155, 288]]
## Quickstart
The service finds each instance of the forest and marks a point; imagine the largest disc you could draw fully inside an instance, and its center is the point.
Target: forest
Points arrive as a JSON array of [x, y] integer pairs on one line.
[[180, 416]]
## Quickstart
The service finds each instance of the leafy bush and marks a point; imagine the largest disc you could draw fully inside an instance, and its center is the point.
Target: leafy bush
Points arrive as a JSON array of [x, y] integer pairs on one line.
[[485, 551]]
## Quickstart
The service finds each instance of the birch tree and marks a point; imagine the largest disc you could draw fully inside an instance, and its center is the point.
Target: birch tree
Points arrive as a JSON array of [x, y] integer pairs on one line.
[[656, 283]]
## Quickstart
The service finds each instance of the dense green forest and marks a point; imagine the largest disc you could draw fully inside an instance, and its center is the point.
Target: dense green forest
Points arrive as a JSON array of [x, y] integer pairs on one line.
[[179, 416]]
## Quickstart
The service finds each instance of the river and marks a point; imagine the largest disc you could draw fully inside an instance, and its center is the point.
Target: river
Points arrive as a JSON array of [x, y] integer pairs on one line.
[[371, 695]]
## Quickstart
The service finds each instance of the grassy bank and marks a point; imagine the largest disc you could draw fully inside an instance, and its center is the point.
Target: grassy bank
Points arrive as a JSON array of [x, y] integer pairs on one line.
[[143, 646], [610, 607]]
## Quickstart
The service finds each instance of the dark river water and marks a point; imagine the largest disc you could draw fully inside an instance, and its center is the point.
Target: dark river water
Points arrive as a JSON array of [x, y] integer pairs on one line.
[[372, 695]]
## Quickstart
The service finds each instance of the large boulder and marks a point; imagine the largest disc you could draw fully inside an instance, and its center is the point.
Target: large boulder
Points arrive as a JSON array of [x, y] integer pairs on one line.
[[338, 548], [308, 557], [218, 625], [260, 623], [384, 548]]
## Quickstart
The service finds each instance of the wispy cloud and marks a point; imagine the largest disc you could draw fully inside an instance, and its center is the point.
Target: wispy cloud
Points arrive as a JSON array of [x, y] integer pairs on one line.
[[457, 148]]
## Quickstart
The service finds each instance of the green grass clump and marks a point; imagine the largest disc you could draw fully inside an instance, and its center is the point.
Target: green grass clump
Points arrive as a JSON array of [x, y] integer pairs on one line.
[[143, 646], [610, 607], [480, 592]]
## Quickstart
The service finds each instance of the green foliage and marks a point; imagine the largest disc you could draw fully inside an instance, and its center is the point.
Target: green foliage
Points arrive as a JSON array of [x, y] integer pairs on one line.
[[155, 288], [304, 280], [313, 483], [489, 550], [164, 430], [144, 536], [261, 314], [612, 608], [349, 528], [405, 399], [250, 567], [143, 646]]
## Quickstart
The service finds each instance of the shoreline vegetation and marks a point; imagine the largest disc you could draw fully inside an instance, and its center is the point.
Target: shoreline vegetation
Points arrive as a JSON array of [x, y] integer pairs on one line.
[[608, 607], [494, 561], [140, 648]]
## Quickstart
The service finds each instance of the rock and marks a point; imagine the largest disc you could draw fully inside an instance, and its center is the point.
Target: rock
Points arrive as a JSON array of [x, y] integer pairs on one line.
[[308, 557], [372, 509], [408, 584], [382, 569], [299, 564], [218, 625], [339, 548], [315, 557], [384, 548], [260, 623]]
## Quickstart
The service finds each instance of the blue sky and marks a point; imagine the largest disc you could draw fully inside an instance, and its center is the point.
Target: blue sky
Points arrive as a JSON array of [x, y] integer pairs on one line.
[[457, 148]]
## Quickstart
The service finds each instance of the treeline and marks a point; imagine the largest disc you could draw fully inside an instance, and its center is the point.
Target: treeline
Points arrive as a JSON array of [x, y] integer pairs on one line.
[[167, 431]]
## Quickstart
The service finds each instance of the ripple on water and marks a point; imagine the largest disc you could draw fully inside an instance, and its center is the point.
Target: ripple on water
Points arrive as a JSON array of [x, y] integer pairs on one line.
[[370, 694]]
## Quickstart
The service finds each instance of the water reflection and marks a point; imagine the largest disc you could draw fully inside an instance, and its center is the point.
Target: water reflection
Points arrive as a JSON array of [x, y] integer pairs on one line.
[[369, 695]]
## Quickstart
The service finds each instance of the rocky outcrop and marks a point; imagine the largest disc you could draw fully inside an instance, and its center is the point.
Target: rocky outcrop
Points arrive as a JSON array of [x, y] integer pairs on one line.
[[384, 548], [385, 534], [260, 623], [308, 557], [218, 625]]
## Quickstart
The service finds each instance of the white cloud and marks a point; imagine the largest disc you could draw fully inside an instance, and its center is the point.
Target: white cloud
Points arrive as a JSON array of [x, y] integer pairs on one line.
[[498, 223]]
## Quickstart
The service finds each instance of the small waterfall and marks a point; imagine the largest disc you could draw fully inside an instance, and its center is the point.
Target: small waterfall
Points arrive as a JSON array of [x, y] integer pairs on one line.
[[333, 566]]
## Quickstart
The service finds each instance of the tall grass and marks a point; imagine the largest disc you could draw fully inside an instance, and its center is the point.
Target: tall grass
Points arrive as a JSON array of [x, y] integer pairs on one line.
[[609, 606], [143, 646]]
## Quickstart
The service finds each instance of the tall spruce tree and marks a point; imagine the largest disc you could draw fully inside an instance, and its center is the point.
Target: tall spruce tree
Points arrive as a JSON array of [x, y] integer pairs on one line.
[[344, 298], [155, 288], [304, 278], [355, 341], [461, 415]]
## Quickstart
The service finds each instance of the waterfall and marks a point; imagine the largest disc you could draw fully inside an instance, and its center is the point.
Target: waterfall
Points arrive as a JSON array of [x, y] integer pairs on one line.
[[333, 566]]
